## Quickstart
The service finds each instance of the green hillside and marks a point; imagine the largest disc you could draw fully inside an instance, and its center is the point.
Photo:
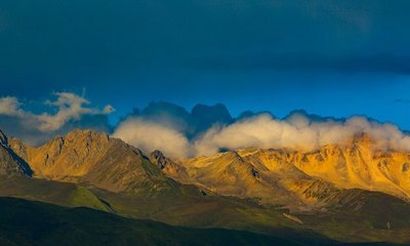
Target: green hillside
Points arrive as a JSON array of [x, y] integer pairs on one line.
[[33, 223]]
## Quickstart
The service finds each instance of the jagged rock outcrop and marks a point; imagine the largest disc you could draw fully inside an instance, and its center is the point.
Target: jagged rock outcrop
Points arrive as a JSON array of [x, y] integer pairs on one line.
[[3, 139], [168, 166], [158, 158], [10, 163]]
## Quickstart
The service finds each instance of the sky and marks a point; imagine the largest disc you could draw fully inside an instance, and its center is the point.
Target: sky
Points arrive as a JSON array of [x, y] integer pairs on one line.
[[331, 58]]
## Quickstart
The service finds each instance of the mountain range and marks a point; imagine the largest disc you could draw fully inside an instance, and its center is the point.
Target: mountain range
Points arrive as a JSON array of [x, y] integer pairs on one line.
[[336, 194]]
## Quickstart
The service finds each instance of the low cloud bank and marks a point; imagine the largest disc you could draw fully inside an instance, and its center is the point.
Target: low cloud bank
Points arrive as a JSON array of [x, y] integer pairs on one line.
[[298, 131], [149, 136]]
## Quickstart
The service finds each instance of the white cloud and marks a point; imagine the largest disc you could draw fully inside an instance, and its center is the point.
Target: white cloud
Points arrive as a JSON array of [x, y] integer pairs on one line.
[[70, 107], [35, 127], [10, 106], [299, 132], [150, 136], [296, 132], [108, 109]]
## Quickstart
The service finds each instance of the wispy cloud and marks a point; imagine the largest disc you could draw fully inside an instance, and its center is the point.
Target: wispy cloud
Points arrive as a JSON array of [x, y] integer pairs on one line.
[[68, 107], [10, 106]]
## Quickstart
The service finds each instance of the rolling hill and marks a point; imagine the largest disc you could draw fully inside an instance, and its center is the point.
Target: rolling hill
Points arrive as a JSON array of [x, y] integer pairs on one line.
[[34, 223]]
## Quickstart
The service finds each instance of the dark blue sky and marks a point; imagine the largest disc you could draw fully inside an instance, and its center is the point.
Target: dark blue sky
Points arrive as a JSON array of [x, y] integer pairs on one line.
[[332, 58]]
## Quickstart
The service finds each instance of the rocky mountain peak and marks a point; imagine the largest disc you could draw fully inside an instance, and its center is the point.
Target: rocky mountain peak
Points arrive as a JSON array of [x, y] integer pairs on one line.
[[86, 134], [232, 155], [10, 163], [158, 158], [168, 166], [94, 158], [3, 139], [78, 142]]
